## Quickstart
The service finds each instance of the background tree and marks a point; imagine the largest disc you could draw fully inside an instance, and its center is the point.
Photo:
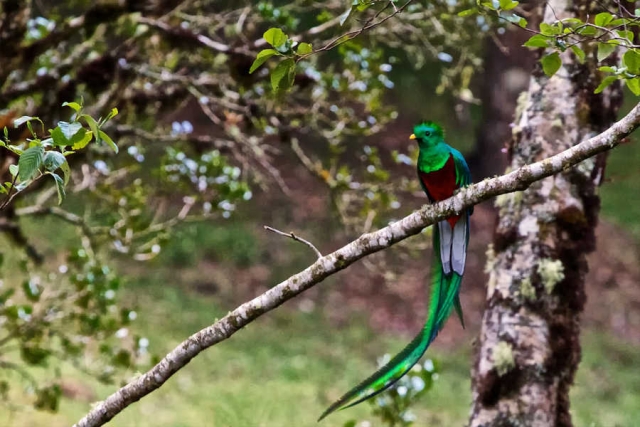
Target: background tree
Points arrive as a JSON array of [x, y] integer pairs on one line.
[[530, 340]]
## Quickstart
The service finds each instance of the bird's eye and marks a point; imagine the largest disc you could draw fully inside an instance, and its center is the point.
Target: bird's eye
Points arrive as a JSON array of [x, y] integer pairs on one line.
[[427, 133]]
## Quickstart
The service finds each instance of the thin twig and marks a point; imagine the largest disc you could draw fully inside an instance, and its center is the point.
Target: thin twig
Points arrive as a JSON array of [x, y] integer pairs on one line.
[[9, 195], [296, 238], [355, 33]]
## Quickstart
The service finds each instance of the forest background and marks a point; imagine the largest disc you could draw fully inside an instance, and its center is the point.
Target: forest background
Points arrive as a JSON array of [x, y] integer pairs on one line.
[[153, 252]]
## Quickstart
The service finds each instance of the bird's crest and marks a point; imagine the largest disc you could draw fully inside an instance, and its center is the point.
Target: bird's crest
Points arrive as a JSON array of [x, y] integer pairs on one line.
[[428, 128]]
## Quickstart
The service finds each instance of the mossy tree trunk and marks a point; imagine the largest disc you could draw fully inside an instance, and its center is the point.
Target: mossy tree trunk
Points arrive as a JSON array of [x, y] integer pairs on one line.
[[529, 346]]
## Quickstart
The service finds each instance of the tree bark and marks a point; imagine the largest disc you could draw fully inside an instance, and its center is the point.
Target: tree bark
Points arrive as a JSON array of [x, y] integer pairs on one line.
[[529, 346]]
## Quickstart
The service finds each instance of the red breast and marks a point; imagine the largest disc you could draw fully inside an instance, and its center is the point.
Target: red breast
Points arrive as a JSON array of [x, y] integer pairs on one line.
[[441, 184]]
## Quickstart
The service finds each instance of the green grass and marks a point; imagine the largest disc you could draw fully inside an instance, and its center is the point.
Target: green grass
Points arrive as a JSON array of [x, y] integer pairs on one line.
[[622, 185], [284, 369], [229, 241], [620, 193], [607, 388]]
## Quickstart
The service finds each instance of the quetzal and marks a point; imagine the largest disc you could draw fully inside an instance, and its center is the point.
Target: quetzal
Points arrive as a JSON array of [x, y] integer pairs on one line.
[[441, 171]]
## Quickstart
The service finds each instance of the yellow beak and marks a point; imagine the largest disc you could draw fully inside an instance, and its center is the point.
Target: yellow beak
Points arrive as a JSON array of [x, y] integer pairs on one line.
[[413, 136]]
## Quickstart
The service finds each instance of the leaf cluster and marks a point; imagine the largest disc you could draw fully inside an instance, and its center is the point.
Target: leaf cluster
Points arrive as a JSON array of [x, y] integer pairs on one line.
[[44, 155]]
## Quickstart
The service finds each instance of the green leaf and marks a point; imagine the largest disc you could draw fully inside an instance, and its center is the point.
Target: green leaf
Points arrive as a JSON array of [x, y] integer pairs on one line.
[[304, 49], [92, 125], [24, 119], [363, 4], [608, 69], [468, 12], [111, 115], [519, 20], [587, 31], [490, 5], [536, 41], [572, 22], [275, 37], [30, 352], [602, 19], [346, 15], [69, 130], [551, 63], [106, 138], [579, 53], [79, 143], [59, 187], [31, 129], [508, 4], [620, 22], [66, 171], [604, 83], [13, 170], [32, 290], [280, 76], [76, 107], [604, 50], [53, 160], [29, 162], [631, 60], [626, 34], [262, 56], [549, 30], [633, 85], [15, 149], [58, 137]]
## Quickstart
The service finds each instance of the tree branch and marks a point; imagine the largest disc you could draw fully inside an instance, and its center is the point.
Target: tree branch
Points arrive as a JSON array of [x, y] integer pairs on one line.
[[519, 179], [296, 238], [188, 34], [369, 24]]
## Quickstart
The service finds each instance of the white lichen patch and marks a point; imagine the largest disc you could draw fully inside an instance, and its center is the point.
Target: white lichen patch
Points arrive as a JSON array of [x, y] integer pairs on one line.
[[551, 273], [547, 186], [586, 167], [502, 201], [509, 201], [527, 290], [503, 359], [491, 285], [557, 123], [502, 281], [521, 104], [491, 259], [528, 225]]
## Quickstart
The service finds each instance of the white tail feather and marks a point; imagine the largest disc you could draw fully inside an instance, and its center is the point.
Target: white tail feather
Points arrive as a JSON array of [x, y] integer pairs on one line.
[[459, 245], [446, 237]]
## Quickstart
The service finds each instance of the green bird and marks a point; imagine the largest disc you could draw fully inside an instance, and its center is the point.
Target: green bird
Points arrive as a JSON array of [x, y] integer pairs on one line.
[[441, 170]]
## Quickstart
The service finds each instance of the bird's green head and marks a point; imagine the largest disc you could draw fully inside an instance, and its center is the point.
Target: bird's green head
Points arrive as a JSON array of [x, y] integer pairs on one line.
[[427, 134]]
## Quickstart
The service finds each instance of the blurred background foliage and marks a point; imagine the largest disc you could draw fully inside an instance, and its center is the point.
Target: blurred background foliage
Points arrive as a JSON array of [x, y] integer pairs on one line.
[[154, 243]]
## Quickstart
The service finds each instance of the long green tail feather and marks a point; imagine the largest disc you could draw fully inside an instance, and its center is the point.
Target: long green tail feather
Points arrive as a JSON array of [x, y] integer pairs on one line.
[[383, 378], [458, 308], [444, 297]]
